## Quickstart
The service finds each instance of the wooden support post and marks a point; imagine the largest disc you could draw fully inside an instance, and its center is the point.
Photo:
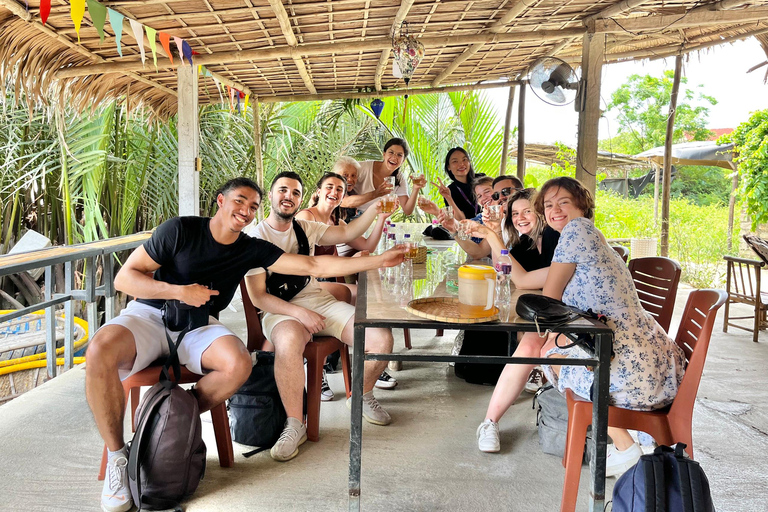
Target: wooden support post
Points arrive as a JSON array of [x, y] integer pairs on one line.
[[507, 131], [189, 141], [257, 153], [593, 48], [656, 183], [732, 207], [667, 184], [521, 133]]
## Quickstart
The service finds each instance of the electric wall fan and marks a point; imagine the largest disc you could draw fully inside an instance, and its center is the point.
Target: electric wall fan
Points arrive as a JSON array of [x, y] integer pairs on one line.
[[554, 81]]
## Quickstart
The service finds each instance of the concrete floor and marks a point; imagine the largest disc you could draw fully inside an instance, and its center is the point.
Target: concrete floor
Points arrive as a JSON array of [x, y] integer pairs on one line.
[[425, 460]]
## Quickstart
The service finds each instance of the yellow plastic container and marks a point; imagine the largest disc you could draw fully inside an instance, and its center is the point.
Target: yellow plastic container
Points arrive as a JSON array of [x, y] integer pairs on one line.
[[477, 291]]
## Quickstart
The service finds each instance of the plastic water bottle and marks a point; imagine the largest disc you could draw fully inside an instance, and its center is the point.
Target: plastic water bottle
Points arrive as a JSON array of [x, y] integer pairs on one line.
[[503, 271], [504, 262], [382, 246], [391, 241]]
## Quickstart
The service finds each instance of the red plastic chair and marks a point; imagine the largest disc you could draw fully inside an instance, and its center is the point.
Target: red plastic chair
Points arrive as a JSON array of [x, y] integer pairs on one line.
[[315, 354], [656, 279], [149, 377], [667, 426]]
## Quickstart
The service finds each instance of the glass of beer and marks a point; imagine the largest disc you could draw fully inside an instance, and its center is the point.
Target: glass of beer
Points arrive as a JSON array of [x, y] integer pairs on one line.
[[388, 203], [494, 212]]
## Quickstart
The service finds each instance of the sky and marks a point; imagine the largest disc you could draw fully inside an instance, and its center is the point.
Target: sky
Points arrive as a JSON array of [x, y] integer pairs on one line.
[[721, 70]]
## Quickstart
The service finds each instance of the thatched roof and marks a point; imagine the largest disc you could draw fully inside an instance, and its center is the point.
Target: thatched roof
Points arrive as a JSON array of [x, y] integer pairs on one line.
[[547, 154], [303, 49]]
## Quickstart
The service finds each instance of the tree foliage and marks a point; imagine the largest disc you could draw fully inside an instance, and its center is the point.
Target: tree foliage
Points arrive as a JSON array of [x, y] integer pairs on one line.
[[751, 141], [642, 106]]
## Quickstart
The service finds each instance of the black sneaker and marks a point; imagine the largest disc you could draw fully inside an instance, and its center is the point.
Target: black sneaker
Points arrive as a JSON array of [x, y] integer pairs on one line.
[[326, 393], [386, 381]]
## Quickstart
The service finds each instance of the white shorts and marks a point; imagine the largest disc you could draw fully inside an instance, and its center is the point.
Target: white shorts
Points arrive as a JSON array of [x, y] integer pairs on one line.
[[337, 313], [146, 324]]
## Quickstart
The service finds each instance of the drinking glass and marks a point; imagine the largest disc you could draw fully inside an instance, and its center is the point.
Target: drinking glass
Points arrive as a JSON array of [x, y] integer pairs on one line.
[[463, 232], [388, 203], [390, 180], [494, 212], [448, 210]]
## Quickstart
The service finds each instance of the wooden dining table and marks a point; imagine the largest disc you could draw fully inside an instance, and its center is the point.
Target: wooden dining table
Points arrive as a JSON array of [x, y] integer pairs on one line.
[[382, 300]]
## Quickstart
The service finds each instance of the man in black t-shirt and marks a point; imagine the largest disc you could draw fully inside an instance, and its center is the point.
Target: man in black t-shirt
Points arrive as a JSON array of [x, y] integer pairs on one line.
[[197, 261]]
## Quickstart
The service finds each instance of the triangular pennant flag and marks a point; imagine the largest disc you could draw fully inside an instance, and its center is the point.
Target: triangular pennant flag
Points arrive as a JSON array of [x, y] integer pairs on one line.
[[187, 51], [76, 12], [151, 33], [179, 46], [165, 40], [218, 86], [245, 108], [116, 20], [138, 34], [231, 94], [45, 10], [238, 103], [98, 15]]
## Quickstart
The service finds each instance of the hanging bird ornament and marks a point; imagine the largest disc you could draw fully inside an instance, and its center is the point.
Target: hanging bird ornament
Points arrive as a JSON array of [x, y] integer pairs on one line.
[[408, 52]]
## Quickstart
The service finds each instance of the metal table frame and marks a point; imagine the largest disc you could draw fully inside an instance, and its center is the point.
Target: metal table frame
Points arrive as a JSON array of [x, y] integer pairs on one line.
[[603, 343]]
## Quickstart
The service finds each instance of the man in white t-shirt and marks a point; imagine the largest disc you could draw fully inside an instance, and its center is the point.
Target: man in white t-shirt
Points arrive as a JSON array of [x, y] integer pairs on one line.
[[289, 324]]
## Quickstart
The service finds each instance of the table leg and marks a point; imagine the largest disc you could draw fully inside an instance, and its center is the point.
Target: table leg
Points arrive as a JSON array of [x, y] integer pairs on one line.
[[600, 422], [356, 422]]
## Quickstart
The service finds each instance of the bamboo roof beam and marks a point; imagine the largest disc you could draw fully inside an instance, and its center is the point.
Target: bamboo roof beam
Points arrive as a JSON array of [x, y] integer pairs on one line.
[[402, 12], [498, 26], [290, 38], [308, 49], [385, 93], [22, 13], [722, 5], [693, 18], [618, 8]]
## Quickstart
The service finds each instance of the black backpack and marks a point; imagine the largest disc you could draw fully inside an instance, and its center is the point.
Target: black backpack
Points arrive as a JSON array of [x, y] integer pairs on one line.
[[286, 286], [256, 413], [483, 343], [664, 481], [166, 458]]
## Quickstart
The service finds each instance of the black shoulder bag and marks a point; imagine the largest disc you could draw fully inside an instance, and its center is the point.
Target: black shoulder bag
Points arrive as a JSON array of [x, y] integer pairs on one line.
[[551, 313], [285, 286]]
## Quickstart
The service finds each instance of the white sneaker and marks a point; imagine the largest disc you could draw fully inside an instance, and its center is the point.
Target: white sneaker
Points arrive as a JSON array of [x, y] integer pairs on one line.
[[372, 410], [287, 445], [617, 462], [326, 393], [535, 380], [385, 381], [488, 437], [115, 495]]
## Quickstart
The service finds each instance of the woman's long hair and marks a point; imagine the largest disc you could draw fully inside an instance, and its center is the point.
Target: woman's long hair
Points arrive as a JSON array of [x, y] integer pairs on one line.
[[336, 213], [470, 174], [509, 226], [582, 198], [397, 141]]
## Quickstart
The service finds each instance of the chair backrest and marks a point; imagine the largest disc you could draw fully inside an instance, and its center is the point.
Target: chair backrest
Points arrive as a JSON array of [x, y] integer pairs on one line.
[[693, 337], [656, 279], [743, 279], [623, 252], [256, 337], [758, 245]]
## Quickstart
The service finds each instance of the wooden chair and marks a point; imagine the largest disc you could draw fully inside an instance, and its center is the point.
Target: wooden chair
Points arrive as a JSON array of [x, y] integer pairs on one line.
[[623, 252], [149, 377], [315, 354], [656, 279], [667, 426], [744, 286]]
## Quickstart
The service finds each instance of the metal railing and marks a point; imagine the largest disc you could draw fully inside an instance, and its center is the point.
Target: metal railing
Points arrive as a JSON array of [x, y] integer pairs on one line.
[[69, 255]]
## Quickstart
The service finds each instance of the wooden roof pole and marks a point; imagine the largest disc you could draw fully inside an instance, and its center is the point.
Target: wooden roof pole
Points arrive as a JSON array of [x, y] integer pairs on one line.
[[402, 12], [722, 5], [618, 8], [521, 133], [589, 111], [693, 18], [21, 12], [667, 181], [290, 38], [507, 131], [380, 43], [497, 27], [257, 152]]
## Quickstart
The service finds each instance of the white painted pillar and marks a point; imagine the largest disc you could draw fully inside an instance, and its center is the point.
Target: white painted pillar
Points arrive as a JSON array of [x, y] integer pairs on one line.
[[593, 50], [189, 142]]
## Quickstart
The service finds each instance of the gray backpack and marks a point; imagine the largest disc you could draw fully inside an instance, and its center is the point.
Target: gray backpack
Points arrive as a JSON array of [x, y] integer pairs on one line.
[[552, 422], [166, 459]]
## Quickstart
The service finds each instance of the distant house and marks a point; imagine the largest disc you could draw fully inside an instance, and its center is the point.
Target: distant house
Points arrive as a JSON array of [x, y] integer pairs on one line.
[[716, 134]]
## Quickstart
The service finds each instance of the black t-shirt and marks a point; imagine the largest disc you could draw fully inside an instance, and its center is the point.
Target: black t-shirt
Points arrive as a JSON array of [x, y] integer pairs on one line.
[[464, 198], [529, 258], [187, 253]]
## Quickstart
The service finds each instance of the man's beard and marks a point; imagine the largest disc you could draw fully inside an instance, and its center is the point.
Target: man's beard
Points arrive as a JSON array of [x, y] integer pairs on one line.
[[285, 216]]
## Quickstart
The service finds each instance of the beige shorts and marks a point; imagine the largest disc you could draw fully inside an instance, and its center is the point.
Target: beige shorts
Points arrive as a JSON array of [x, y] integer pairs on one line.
[[337, 314], [146, 324]]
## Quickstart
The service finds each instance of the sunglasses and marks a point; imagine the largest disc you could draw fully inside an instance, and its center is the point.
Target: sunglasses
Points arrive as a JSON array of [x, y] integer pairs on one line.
[[505, 192]]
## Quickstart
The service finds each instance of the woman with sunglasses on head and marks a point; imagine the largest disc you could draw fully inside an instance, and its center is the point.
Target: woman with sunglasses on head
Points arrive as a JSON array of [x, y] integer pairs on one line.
[[372, 185], [588, 274]]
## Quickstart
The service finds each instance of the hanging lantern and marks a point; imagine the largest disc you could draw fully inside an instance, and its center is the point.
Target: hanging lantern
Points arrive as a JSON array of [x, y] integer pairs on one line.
[[408, 52], [377, 106]]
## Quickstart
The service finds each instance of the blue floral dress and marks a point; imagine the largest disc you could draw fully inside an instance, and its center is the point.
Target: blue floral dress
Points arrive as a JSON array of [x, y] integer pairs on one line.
[[648, 366]]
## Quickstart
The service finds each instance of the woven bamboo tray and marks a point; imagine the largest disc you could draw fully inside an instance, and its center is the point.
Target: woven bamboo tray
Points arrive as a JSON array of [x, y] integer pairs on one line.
[[446, 309]]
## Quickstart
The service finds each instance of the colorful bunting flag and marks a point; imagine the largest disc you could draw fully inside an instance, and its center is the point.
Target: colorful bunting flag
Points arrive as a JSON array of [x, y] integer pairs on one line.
[[98, 15], [116, 20], [186, 51], [76, 12], [218, 87], [45, 10], [165, 40], [179, 46], [138, 34], [151, 33], [245, 108]]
